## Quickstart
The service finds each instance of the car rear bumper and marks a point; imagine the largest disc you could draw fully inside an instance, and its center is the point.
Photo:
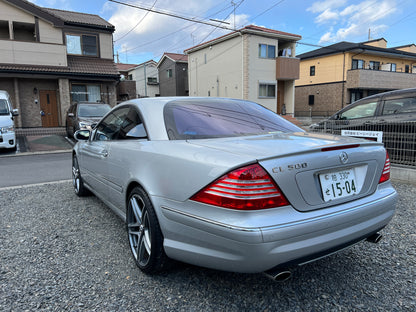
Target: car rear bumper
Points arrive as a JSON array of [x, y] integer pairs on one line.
[[294, 238], [8, 140]]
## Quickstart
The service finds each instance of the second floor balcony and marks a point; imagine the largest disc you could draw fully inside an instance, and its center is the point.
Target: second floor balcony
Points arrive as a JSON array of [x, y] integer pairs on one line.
[[287, 68], [379, 79], [32, 53]]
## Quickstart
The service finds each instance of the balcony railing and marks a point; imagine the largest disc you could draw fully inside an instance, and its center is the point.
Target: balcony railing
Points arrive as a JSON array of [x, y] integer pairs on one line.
[[287, 68], [379, 79]]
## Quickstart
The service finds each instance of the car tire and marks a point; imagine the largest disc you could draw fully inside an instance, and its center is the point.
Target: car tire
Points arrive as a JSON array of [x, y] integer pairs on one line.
[[77, 182], [144, 234]]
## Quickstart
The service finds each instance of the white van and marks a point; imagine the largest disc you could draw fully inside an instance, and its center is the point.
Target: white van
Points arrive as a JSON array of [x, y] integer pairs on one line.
[[7, 113]]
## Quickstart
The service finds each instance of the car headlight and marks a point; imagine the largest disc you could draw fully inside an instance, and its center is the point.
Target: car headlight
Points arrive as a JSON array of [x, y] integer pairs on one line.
[[7, 129], [83, 125]]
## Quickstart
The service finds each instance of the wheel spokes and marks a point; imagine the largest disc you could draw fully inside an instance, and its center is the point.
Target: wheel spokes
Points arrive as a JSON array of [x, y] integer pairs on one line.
[[139, 230]]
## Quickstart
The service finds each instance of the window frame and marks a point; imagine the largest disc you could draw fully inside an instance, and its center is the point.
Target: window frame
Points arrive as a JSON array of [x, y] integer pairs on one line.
[[82, 44], [312, 70], [267, 84], [267, 51]]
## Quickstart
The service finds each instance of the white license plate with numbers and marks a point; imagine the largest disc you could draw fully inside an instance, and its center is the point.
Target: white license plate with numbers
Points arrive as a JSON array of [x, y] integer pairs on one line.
[[338, 184]]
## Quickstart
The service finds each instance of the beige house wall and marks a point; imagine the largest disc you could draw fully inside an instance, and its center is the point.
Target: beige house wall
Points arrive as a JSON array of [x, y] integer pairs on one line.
[[261, 70], [49, 34], [327, 69], [217, 70], [7, 11], [142, 87], [32, 53], [106, 46]]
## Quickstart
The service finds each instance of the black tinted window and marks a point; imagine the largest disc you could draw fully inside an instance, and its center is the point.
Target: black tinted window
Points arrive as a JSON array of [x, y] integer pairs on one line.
[[399, 106], [4, 107], [93, 110], [198, 119], [121, 124]]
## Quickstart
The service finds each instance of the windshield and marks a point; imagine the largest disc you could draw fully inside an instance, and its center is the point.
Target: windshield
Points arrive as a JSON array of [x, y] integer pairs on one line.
[[202, 118], [4, 107], [93, 110]]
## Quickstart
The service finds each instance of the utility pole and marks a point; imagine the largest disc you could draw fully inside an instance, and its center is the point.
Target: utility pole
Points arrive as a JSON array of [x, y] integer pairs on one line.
[[233, 4]]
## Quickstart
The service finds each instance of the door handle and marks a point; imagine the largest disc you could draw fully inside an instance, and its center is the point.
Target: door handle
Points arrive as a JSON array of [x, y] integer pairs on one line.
[[104, 153]]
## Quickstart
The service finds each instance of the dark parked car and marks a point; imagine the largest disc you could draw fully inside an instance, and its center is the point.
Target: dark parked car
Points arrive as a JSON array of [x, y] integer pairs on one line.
[[393, 113], [81, 115]]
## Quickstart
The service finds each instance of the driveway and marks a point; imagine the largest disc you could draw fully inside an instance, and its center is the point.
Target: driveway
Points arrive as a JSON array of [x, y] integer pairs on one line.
[[60, 252]]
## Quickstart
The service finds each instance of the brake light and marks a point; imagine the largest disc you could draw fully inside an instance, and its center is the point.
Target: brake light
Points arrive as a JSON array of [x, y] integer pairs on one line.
[[385, 175], [247, 188]]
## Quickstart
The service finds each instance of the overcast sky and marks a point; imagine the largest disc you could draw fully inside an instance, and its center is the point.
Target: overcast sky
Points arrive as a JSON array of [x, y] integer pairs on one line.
[[141, 36]]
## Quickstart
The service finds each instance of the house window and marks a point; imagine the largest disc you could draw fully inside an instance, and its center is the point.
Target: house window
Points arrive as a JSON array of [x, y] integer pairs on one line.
[[24, 31], [355, 96], [130, 77], [312, 71], [374, 65], [267, 90], [85, 92], [82, 45], [4, 30], [393, 67], [151, 80], [311, 99], [406, 68], [357, 64], [169, 73], [267, 51]]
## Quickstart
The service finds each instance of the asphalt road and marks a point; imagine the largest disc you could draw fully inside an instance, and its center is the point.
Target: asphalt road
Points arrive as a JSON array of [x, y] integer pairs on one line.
[[32, 169], [64, 253]]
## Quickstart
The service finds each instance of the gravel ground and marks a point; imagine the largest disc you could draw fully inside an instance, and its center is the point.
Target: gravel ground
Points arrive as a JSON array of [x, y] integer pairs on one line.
[[59, 252]]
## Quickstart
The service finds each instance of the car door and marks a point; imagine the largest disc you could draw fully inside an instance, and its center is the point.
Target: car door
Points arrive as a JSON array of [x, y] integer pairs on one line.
[[397, 121], [96, 152], [124, 155]]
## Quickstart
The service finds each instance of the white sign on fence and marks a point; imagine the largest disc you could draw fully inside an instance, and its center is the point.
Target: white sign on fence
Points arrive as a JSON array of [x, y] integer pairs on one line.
[[370, 135]]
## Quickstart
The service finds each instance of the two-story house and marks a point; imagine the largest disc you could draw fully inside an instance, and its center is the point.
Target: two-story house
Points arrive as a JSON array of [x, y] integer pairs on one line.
[[50, 58], [337, 75], [173, 74], [252, 63], [146, 76]]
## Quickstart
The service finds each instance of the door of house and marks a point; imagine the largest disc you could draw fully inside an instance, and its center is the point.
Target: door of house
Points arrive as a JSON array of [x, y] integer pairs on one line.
[[49, 108], [280, 97]]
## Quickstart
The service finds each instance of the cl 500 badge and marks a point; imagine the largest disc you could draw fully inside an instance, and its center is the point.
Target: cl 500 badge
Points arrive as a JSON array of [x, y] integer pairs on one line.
[[290, 167]]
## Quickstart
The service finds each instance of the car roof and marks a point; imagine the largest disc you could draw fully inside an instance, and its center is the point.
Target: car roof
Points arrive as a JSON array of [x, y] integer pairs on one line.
[[389, 93]]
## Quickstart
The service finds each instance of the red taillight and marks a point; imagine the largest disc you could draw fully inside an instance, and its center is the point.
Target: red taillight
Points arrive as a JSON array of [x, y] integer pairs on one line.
[[248, 188], [385, 176]]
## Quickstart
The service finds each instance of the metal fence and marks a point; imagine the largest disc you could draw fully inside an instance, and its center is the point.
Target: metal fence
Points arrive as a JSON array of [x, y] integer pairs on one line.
[[399, 138]]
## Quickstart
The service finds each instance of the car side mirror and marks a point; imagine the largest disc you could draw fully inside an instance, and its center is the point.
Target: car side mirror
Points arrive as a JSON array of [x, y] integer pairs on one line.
[[15, 112], [82, 135]]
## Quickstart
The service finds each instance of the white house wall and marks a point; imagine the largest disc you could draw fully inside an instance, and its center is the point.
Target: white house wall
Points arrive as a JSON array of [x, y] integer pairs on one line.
[[142, 88], [217, 70], [260, 70]]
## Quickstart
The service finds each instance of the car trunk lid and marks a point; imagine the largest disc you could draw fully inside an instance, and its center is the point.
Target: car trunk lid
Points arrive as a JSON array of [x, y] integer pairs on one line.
[[314, 171]]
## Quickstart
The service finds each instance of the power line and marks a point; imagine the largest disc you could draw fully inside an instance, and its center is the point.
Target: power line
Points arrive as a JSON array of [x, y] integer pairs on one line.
[[137, 23], [171, 15]]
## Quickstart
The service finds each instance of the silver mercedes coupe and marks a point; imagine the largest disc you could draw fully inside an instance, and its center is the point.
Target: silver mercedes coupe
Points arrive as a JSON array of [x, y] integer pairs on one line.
[[229, 185]]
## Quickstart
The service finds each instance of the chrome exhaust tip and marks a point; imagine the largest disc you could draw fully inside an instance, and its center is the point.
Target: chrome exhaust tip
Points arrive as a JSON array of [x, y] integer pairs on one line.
[[375, 238], [279, 276]]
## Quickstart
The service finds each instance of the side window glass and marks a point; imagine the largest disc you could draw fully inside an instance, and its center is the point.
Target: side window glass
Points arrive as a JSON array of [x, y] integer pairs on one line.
[[360, 111], [132, 127], [109, 127], [399, 106]]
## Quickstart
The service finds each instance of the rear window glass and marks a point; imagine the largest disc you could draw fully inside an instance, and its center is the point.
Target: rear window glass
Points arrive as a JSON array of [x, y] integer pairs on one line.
[[93, 110], [201, 119]]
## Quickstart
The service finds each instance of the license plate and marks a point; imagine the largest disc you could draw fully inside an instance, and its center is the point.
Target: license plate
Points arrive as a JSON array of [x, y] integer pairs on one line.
[[338, 184]]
